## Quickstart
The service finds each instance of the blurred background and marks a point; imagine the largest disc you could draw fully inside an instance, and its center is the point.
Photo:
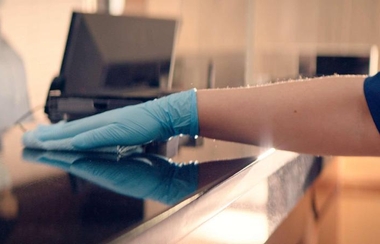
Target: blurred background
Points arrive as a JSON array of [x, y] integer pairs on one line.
[[242, 42]]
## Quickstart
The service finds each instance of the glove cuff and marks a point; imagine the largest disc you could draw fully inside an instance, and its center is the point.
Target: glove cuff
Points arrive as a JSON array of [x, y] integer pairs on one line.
[[183, 112]]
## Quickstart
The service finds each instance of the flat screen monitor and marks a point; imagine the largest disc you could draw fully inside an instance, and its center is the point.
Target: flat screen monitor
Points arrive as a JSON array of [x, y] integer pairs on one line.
[[109, 56]]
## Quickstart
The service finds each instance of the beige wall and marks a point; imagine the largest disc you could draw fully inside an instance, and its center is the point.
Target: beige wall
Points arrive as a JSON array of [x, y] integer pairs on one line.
[[37, 30], [272, 33], [212, 32], [210, 26], [284, 30]]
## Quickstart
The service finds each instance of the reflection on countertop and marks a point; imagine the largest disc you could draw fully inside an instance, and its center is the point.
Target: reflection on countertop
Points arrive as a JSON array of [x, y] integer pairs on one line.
[[140, 175], [66, 197], [62, 197]]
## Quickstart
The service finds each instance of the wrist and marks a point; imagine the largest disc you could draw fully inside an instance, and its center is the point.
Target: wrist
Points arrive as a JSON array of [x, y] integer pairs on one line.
[[182, 112]]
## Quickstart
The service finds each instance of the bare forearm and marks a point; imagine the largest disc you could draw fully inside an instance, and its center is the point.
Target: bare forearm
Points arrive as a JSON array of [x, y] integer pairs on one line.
[[319, 116]]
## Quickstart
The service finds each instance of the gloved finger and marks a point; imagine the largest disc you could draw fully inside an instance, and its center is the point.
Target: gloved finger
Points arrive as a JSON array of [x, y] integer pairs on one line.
[[60, 160], [110, 135], [29, 140], [73, 128]]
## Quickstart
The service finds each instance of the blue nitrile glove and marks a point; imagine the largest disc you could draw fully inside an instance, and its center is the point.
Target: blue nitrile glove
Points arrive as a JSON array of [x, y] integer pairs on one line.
[[157, 120]]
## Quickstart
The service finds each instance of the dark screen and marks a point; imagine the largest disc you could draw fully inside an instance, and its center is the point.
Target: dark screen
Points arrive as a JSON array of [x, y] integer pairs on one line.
[[330, 65], [108, 55]]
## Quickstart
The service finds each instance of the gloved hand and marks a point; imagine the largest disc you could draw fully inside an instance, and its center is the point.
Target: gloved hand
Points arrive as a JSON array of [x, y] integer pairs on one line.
[[156, 120]]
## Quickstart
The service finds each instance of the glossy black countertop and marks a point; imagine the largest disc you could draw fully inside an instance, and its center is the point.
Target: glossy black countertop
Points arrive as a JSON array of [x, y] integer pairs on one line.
[[157, 195]]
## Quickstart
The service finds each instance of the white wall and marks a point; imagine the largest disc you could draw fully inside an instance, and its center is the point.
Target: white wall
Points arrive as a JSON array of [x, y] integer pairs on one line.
[[37, 30]]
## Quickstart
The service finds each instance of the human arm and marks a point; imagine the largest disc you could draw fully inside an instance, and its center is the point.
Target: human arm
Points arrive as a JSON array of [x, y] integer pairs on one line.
[[323, 116]]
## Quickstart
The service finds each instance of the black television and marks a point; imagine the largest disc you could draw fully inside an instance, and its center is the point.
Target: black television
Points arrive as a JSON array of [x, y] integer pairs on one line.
[[113, 56]]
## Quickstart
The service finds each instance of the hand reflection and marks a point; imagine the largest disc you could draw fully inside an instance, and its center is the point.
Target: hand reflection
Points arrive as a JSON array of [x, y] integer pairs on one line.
[[139, 175]]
